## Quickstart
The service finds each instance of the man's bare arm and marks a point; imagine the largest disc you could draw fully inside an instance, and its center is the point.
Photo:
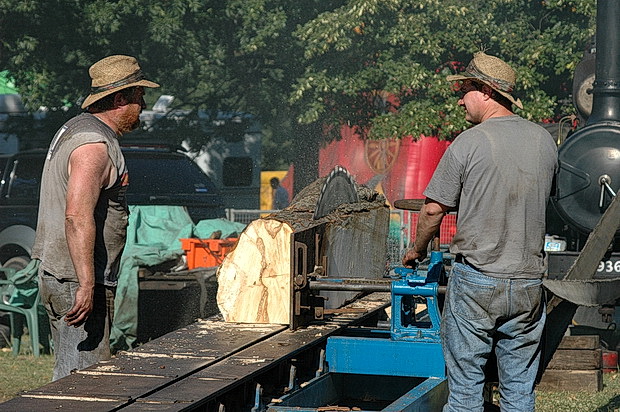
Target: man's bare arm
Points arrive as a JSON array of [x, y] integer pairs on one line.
[[429, 220], [89, 170]]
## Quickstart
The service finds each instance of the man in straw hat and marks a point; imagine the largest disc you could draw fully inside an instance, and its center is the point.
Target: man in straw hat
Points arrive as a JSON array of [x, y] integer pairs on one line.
[[498, 174], [83, 213]]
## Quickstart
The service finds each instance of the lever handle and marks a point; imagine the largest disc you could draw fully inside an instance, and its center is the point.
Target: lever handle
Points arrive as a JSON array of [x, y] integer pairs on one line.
[[604, 181]]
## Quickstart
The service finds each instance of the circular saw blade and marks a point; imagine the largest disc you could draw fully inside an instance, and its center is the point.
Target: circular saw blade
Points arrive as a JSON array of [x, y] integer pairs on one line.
[[339, 188]]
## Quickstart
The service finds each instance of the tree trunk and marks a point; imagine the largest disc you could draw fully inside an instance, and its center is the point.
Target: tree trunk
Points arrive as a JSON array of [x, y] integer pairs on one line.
[[254, 280]]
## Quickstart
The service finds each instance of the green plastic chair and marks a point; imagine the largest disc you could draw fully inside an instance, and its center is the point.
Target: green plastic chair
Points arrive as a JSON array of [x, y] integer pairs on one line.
[[20, 298]]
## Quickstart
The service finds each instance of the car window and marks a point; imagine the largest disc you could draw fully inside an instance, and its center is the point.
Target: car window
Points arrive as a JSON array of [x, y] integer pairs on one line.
[[165, 173], [3, 162], [238, 171]]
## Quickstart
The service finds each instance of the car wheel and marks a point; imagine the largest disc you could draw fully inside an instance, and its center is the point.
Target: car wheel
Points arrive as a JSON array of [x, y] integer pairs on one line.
[[17, 262]]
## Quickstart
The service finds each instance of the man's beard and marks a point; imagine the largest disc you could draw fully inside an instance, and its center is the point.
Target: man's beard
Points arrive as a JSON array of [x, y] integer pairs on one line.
[[128, 121]]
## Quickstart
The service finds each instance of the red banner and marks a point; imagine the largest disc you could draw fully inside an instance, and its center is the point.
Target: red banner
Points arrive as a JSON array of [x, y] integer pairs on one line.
[[400, 169]]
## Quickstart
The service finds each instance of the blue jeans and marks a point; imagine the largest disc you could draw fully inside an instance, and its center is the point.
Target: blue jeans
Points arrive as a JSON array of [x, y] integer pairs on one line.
[[481, 311], [76, 347]]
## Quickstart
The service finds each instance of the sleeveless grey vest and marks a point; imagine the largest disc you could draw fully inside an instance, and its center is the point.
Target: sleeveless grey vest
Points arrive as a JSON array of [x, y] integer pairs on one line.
[[111, 212]]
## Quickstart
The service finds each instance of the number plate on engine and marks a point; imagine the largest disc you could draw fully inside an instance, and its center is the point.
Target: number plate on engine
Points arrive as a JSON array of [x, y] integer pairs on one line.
[[560, 262], [609, 267]]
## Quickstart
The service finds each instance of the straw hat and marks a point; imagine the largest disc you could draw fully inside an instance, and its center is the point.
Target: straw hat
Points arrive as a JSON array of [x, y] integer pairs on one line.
[[112, 74], [493, 72]]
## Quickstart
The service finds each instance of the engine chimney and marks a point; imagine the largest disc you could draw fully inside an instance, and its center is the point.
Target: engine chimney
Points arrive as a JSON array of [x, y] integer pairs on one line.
[[606, 87]]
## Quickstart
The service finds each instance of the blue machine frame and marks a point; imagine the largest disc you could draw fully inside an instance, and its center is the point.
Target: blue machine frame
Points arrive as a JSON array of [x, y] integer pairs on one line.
[[408, 358], [413, 347]]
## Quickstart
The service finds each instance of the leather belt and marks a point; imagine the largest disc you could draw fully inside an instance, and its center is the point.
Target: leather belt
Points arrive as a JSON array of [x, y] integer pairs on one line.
[[461, 259]]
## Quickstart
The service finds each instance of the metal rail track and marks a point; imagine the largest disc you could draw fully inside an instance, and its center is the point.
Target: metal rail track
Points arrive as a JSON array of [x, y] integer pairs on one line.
[[210, 365]]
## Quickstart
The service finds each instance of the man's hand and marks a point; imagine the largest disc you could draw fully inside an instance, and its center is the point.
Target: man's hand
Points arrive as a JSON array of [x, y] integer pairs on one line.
[[429, 220], [412, 258], [82, 306]]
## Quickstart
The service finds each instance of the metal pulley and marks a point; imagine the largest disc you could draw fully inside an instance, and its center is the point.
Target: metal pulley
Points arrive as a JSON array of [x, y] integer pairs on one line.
[[582, 86]]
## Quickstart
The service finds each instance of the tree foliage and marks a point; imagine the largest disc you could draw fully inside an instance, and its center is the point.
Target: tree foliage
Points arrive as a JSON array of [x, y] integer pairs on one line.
[[406, 48], [379, 64]]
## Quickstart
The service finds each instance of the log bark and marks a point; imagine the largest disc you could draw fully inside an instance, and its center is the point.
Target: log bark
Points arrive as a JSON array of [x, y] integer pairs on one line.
[[254, 280]]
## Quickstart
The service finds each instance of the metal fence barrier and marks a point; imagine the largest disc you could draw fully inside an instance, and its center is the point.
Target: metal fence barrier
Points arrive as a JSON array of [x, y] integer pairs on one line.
[[246, 215]]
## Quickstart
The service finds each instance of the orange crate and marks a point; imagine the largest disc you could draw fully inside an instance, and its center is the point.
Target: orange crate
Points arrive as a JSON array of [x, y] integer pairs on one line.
[[202, 253]]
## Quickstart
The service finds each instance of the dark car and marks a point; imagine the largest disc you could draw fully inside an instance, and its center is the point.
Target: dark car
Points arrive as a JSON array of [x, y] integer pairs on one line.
[[158, 175]]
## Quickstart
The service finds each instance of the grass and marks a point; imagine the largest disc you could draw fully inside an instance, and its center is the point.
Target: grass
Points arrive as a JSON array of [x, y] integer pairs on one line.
[[26, 372], [23, 372], [607, 400]]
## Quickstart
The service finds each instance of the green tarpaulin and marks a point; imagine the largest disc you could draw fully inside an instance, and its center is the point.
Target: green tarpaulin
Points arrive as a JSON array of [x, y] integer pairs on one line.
[[153, 238]]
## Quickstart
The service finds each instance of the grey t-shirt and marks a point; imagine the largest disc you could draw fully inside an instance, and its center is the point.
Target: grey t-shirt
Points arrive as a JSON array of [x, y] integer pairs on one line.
[[111, 212], [499, 175]]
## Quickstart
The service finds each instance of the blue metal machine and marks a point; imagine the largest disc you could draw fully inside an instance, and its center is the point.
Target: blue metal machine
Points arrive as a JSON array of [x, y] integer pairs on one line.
[[400, 369]]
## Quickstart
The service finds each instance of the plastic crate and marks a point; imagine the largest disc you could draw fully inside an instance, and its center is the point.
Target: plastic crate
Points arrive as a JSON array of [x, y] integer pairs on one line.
[[202, 253]]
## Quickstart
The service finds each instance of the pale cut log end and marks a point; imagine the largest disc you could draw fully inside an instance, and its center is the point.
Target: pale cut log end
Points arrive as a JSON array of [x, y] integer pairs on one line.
[[254, 279]]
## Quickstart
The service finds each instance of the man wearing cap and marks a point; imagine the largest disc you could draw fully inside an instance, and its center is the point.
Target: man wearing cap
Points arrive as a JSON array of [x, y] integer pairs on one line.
[[498, 175], [82, 221]]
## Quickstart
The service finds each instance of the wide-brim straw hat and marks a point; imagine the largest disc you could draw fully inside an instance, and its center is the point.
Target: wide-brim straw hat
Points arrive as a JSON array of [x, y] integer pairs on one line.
[[493, 72], [112, 74]]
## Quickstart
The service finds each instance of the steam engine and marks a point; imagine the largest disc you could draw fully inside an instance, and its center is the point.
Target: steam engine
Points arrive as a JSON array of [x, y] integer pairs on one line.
[[589, 174], [589, 160]]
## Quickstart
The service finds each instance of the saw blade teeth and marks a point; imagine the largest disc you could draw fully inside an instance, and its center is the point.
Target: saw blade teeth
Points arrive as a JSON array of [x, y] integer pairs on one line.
[[337, 169], [341, 180]]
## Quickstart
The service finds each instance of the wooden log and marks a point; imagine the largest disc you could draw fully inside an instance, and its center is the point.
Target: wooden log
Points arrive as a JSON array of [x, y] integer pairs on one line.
[[580, 352], [580, 342], [575, 365], [575, 380], [577, 359], [254, 280]]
